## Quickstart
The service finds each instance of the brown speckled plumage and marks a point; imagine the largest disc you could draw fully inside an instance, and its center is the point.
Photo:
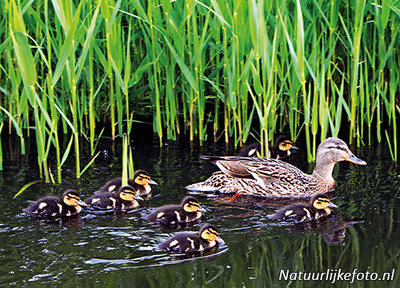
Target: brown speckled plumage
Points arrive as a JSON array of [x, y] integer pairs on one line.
[[268, 177]]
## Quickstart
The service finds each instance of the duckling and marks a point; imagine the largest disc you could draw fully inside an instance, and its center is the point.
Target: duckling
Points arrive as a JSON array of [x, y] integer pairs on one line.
[[68, 205], [268, 177], [187, 242], [141, 181], [318, 207], [188, 211], [280, 150], [125, 199]]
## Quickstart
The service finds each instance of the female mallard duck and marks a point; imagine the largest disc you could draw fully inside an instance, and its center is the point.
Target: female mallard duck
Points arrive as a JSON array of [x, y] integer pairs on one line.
[[68, 205], [187, 242], [280, 150], [188, 211], [318, 207], [141, 181], [125, 199], [274, 178]]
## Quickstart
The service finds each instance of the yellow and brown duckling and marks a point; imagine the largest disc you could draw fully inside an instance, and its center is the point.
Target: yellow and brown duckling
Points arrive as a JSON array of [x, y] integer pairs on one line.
[[141, 181], [280, 150], [206, 238], [188, 211], [268, 177], [69, 204], [125, 199], [319, 206]]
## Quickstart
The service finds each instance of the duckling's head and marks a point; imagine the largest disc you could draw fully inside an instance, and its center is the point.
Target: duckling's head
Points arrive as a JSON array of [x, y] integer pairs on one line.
[[333, 150], [127, 193], [142, 178], [209, 233], [322, 202], [72, 198], [190, 204], [284, 143]]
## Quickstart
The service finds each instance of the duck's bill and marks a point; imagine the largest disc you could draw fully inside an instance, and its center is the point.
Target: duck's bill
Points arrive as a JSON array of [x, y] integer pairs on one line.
[[331, 205], [152, 182], [353, 159], [137, 197], [201, 209], [294, 147], [220, 240], [82, 204]]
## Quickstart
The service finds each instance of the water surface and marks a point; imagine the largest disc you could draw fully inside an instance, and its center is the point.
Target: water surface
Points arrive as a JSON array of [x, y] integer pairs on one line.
[[121, 251]]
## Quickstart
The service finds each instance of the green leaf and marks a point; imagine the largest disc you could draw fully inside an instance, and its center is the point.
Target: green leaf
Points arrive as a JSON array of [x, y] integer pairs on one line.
[[67, 47], [26, 186]]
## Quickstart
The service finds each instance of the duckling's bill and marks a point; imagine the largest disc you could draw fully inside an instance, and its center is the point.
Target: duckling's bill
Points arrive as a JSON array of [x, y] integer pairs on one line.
[[152, 182], [220, 240], [331, 205], [137, 197], [82, 204]]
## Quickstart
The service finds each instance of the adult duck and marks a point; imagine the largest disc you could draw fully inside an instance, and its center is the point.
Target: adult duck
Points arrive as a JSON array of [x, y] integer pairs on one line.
[[274, 178]]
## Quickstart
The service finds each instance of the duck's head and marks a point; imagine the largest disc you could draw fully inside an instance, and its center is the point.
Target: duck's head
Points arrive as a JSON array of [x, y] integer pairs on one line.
[[334, 150], [283, 143], [209, 233], [73, 198], [190, 204], [142, 178], [127, 193], [322, 202]]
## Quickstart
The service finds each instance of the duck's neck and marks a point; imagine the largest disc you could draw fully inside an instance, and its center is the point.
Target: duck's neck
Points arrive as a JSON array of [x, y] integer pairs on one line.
[[324, 169]]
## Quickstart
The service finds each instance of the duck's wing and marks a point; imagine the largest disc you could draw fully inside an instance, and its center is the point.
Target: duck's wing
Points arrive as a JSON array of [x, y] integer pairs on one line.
[[271, 174], [231, 165], [268, 171]]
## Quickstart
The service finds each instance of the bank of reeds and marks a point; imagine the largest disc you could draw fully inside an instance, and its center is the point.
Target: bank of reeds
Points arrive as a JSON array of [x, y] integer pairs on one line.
[[221, 69]]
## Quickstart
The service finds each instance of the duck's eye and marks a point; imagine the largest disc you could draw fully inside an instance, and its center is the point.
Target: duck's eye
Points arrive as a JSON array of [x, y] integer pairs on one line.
[[338, 147]]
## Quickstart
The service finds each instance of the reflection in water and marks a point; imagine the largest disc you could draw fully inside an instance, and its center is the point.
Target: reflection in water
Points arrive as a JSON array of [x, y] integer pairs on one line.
[[332, 228], [74, 221], [178, 226], [121, 250]]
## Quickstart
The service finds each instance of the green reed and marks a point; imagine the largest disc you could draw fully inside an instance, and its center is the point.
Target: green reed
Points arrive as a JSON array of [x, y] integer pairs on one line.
[[219, 67]]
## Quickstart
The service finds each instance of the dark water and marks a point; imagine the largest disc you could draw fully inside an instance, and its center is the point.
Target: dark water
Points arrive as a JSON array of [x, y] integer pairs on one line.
[[120, 251]]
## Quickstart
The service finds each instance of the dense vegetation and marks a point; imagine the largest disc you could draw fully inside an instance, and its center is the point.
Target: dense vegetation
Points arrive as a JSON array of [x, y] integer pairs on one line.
[[211, 68]]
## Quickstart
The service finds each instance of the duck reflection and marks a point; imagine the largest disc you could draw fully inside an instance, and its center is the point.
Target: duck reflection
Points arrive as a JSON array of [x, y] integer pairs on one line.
[[332, 228], [71, 221], [207, 255], [239, 200], [179, 226]]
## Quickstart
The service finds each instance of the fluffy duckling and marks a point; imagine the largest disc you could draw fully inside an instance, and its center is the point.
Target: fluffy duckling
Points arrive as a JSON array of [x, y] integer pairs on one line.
[[187, 242], [318, 207], [125, 199], [280, 150], [188, 211], [68, 205], [141, 181]]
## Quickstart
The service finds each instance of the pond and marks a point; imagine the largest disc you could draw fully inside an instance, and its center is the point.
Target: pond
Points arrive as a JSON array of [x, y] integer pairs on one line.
[[121, 251]]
